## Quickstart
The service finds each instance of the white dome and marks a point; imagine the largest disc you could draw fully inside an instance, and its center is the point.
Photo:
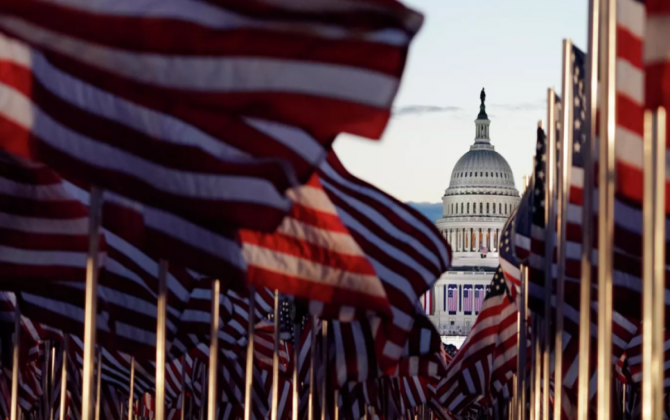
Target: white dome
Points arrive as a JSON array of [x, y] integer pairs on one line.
[[482, 170]]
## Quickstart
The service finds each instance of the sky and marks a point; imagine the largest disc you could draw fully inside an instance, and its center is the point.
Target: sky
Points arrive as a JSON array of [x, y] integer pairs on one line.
[[512, 48]]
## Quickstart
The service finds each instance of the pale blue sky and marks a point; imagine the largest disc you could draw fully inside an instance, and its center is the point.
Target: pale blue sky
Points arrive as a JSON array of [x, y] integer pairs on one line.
[[510, 47]]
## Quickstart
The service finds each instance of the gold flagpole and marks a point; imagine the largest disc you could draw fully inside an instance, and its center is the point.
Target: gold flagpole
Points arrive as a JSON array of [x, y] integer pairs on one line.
[[653, 305], [249, 382], [161, 314], [537, 333], [563, 197], [549, 240], [324, 365], [214, 350], [606, 179], [521, 347], [589, 154], [296, 378], [312, 374], [98, 380], [14, 410], [91, 304], [132, 388], [659, 258], [183, 387], [275, 361], [53, 381], [63, 379]]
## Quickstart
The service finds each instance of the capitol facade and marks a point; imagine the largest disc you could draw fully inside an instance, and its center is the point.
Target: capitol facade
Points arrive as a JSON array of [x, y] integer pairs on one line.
[[480, 197]]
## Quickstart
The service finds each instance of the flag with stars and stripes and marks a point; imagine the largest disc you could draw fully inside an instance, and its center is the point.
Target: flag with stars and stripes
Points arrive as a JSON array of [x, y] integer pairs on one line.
[[508, 259], [451, 299], [467, 299], [479, 298], [493, 335]]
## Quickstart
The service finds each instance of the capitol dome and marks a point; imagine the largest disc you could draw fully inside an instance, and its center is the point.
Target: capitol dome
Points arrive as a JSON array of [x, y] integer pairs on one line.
[[480, 197]]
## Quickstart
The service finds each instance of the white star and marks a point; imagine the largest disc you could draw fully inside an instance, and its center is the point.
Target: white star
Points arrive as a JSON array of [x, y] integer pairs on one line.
[[578, 147]]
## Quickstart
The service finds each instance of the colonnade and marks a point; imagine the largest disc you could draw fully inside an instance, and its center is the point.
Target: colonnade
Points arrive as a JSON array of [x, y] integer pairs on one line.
[[470, 239]]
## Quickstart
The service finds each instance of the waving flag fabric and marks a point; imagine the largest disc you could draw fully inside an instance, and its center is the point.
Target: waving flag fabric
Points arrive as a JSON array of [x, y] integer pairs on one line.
[[427, 302]]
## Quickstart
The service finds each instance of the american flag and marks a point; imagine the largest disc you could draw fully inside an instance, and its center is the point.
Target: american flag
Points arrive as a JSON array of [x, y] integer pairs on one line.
[[427, 302], [469, 374], [451, 299], [467, 299], [508, 259], [479, 297]]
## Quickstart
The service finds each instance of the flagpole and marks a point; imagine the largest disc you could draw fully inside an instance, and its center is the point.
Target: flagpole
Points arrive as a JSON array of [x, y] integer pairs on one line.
[[538, 366], [131, 400], [549, 239], [562, 212], [160, 339], [15, 361], [522, 346], [249, 382], [659, 258], [98, 396], [324, 364], [296, 378], [606, 179], [91, 304], [312, 375], [183, 387], [275, 361], [653, 272], [63, 379], [53, 381], [214, 351], [589, 153]]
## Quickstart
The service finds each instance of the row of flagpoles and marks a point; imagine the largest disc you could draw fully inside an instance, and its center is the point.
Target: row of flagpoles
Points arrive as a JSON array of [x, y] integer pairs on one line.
[[611, 184], [165, 166]]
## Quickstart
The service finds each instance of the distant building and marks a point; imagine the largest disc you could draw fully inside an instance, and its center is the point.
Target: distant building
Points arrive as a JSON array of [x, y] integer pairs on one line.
[[480, 198]]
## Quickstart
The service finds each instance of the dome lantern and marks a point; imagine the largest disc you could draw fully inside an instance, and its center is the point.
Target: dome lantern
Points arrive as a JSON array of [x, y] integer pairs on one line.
[[482, 122]]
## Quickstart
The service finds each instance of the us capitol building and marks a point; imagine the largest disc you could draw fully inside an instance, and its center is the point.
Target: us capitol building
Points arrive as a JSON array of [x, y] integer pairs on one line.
[[480, 198]]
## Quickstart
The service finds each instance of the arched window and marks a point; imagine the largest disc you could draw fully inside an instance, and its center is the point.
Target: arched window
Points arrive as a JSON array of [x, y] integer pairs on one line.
[[468, 207], [487, 208], [496, 174], [487, 174], [494, 208], [461, 208], [481, 174], [500, 208], [481, 208]]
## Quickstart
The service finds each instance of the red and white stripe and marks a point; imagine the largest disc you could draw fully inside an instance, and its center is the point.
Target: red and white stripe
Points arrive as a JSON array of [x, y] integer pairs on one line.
[[88, 134], [326, 67], [312, 255], [428, 302]]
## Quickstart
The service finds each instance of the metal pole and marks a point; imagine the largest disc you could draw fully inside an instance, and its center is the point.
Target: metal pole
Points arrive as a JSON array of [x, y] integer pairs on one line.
[[587, 214], [312, 375], [336, 397], [14, 410], [606, 184], [87, 394], [203, 394], [659, 259], [249, 382], [296, 378], [98, 395], [522, 346], [549, 241], [53, 381], [537, 331], [132, 388], [324, 365], [161, 314], [513, 402], [275, 361], [214, 352], [183, 387], [653, 265], [63, 380], [563, 198]]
